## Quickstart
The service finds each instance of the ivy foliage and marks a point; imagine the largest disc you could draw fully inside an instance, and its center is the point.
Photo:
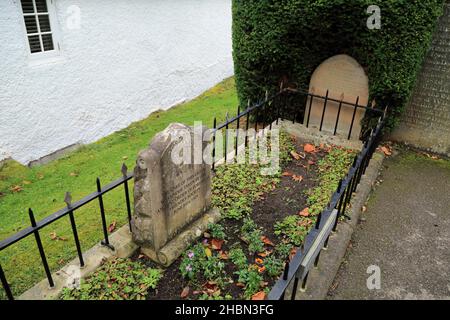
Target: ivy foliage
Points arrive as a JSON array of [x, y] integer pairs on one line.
[[277, 41]]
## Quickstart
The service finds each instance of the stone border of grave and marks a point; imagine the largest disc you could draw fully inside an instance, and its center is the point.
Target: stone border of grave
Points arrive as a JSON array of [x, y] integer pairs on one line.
[[319, 281]]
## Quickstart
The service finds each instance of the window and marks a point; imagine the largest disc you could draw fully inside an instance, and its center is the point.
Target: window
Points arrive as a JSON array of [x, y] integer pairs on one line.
[[40, 35]]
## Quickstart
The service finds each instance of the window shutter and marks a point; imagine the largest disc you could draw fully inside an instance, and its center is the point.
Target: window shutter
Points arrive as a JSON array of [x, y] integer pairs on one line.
[[37, 23]]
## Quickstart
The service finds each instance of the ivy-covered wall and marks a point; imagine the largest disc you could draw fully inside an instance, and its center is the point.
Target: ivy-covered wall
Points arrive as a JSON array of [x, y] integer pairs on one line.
[[278, 41]]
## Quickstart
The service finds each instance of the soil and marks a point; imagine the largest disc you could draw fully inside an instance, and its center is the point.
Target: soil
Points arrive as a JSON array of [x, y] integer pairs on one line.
[[288, 198]]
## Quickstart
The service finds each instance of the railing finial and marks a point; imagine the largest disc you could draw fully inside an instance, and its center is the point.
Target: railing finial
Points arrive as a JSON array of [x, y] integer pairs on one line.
[[68, 199], [124, 169]]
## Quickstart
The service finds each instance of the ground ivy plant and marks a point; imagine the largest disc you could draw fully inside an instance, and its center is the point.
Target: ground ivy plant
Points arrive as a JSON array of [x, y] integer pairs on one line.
[[117, 279]]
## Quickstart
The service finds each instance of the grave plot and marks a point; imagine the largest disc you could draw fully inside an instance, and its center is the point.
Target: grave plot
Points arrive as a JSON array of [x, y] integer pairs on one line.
[[264, 221]]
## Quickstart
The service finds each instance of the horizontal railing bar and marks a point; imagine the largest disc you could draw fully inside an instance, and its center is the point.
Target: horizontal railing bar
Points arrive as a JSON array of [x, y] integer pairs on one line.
[[352, 104], [61, 213], [247, 111]]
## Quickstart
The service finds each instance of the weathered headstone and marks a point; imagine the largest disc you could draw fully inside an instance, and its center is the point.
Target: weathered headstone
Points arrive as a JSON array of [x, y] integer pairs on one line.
[[426, 120], [172, 199], [344, 78]]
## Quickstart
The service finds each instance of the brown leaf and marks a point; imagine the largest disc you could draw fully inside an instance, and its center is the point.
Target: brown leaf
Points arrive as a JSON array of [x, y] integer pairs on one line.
[[112, 226], [267, 241], [185, 292], [53, 236], [216, 244], [16, 188], [240, 285], [386, 150], [287, 174], [261, 269], [304, 212], [297, 178], [259, 296], [141, 256], [73, 174], [311, 163], [259, 261], [295, 155], [207, 235], [223, 255], [264, 254], [309, 148]]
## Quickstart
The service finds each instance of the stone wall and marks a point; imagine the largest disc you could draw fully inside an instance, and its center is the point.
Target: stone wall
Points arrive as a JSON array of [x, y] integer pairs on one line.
[[426, 120], [127, 59]]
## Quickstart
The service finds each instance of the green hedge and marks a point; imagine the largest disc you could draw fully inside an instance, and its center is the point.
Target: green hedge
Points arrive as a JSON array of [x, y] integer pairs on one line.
[[285, 40]]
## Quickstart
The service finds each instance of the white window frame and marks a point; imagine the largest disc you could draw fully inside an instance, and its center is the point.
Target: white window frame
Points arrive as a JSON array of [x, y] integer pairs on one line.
[[43, 55]]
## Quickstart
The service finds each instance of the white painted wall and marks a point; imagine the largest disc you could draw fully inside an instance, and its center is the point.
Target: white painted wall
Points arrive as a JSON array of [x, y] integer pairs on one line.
[[128, 59]]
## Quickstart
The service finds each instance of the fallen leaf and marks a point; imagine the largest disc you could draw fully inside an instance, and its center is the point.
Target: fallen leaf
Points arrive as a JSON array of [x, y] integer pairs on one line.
[[26, 182], [264, 254], [304, 212], [267, 241], [223, 255], [216, 244], [387, 151], [309, 148], [53, 236], [297, 178], [141, 256], [73, 174], [112, 227], [262, 269], [206, 235], [259, 261], [185, 292], [287, 174], [16, 188], [259, 296], [208, 252], [364, 209], [311, 163], [295, 155], [240, 285]]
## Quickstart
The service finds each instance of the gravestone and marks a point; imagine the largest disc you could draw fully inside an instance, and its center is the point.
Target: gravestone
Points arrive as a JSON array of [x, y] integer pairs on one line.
[[344, 78], [426, 120], [172, 198]]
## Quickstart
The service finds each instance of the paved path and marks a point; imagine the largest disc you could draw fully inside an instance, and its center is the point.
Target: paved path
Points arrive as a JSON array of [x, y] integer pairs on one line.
[[405, 231]]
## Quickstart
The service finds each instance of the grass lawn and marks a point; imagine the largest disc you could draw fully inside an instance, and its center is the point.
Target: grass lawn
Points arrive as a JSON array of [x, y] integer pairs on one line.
[[43, 187]]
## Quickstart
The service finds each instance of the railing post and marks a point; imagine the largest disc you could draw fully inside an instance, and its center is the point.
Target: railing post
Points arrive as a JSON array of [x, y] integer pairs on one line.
[[237, 130], [226, 137], [41, 248], [214, 145], [68, 200], [5, 284], [353, 118], [338, 114], [310, 107], [127, 193], [105, 241], [324, 110], [247, 123]]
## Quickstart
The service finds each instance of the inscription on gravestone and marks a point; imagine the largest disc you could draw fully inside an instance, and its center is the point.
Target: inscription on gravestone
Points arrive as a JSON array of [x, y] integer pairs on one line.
[[426, 120], [345, 79], [172, 201]]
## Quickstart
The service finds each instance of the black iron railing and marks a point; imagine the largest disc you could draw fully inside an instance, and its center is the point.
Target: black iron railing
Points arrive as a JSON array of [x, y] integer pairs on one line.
[[260, 116], [67, 211], [297, 270]]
